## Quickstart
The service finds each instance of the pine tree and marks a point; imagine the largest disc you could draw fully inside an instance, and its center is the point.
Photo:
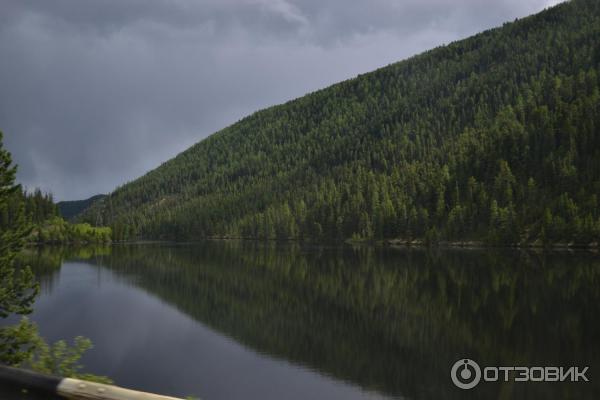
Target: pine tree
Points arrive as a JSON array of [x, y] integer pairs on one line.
[[17, 287]]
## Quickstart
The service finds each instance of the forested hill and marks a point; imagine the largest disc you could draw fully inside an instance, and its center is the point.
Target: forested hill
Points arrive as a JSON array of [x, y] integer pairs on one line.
[[41, 221], [496, 137], [70, 209]]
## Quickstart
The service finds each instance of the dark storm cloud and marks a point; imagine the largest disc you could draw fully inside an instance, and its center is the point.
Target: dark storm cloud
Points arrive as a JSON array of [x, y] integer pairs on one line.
[[95, 93]]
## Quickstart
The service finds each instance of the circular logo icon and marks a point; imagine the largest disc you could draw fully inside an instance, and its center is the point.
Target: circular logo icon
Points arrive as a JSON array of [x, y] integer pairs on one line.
[[465, 373]]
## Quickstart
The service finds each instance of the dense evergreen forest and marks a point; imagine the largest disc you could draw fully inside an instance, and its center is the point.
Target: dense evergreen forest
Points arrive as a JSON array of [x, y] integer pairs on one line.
[[493, 138], [70, 209], [41, 215]]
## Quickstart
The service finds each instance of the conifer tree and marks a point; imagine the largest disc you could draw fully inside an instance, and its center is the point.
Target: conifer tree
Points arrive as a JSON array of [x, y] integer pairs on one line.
[[17, 287]]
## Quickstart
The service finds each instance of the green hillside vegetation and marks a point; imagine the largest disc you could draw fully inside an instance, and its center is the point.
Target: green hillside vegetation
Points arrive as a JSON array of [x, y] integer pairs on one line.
[[492, 138], [45, 225], [70, 209], [57, 230]]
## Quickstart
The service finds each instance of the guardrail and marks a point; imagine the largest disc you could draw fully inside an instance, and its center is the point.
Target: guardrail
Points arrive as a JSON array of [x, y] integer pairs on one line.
[[68, 388]]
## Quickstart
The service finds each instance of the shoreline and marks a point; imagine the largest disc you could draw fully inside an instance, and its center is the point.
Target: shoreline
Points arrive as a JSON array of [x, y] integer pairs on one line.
[[392, 243], [473, 244]]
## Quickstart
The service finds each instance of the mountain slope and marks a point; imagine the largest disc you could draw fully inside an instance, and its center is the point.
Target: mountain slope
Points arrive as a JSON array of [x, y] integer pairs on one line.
[[494, 137], [70, 209]]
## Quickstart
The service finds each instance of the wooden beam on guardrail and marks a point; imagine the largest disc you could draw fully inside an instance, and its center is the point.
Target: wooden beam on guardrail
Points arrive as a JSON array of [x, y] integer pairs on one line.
[[69, 388]]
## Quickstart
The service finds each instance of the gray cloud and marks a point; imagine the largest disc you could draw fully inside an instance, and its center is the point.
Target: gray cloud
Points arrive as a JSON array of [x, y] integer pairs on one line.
[[95, 93]]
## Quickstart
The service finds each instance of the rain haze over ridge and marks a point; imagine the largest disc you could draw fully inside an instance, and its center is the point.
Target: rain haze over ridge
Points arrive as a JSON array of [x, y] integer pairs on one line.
[[96, 93]]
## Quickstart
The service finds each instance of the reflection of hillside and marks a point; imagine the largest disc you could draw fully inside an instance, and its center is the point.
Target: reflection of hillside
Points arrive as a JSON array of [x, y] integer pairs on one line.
[[45, 261], [390, 321]]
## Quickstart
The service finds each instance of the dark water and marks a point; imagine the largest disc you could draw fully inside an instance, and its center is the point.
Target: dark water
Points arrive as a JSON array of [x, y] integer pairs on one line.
[[228, 320]]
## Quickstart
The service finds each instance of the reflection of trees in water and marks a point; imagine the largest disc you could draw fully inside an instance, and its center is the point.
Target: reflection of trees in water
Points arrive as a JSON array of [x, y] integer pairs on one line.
[[392, 321], [45, 261]]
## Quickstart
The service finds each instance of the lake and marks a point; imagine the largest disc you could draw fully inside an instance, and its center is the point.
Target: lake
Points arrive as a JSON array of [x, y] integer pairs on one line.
[[247, 320]]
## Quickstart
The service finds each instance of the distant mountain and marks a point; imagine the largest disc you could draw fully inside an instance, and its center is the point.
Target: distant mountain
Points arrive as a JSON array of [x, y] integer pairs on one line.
[[70, 209], [495, 137]]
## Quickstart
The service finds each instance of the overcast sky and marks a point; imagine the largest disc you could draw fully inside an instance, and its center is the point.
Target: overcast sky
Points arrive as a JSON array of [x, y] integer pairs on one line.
[[95, 93]]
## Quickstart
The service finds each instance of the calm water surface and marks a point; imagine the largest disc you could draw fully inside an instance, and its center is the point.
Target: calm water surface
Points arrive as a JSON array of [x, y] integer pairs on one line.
[[229, 320]]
